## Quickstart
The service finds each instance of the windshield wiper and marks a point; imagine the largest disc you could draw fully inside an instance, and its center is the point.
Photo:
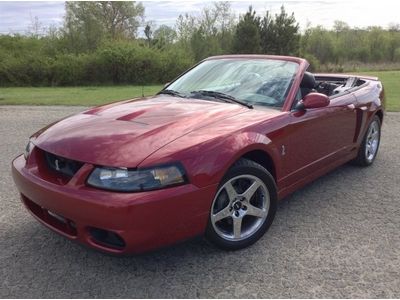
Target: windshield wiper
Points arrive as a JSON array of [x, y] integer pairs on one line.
[[172, 93], [222, 96]]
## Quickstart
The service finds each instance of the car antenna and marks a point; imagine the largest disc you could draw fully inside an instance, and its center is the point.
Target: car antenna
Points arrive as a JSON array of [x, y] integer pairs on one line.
[[142, 91]]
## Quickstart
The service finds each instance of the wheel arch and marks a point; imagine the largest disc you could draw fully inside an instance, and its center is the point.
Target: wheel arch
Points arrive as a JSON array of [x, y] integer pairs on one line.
[[379, 113], [259, 149], [263, 158]]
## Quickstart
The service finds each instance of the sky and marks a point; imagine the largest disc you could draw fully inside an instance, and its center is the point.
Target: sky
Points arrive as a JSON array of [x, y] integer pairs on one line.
[[18, 16]]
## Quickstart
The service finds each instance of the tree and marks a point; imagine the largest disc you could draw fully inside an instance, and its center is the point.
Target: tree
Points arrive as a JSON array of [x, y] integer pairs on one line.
[[164, 36], [88, 22], [35, 28], [247, 34], [340, 26], [217, 18], [268, 35], [286, 33], [185, 27], [148, 33], [224, 24], [203, 45], [319, 43], [280, 35], [210, 33], [394, 27], [377, 43]]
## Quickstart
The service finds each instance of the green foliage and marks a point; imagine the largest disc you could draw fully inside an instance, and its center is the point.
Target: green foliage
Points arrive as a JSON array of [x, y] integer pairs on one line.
[[148, 33], [277, 35], [209, 34], [98, 44], [344, 44], [123, 62], [313, 61], [118, 62], [204, 46], [88, 23], [164, 36], [396, 55], [247, 37], [317, 42], [280, 35]]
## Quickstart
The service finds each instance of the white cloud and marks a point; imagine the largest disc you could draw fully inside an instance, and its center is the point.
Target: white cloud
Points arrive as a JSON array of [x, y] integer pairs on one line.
[[17, 17]]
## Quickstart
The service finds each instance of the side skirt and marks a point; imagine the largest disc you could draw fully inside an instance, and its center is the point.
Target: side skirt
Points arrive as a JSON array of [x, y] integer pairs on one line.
[[313, 176]]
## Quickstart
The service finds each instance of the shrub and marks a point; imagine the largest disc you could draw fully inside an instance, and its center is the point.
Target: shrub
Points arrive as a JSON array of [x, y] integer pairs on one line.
[[120, 62]]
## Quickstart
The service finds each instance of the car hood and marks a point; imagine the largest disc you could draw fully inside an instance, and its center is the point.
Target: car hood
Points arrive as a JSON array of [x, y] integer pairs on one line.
[[125, 133]]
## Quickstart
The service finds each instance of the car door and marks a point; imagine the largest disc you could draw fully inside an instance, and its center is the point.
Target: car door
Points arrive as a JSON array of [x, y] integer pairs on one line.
[[315, 138]]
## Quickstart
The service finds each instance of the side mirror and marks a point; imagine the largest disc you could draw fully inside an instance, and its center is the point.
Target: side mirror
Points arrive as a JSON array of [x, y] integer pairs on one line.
[[313, 100], [167, 84]]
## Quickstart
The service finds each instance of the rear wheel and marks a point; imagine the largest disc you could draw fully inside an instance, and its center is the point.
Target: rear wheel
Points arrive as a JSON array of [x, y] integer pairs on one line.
[[370, 145], [244, 206]]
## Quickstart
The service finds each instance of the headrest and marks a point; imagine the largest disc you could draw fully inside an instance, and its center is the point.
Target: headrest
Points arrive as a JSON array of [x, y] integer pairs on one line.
[[308, 81]]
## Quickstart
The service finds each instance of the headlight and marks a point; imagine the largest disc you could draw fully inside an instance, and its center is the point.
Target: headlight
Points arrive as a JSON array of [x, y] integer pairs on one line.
[[28, 149], [125, 180]]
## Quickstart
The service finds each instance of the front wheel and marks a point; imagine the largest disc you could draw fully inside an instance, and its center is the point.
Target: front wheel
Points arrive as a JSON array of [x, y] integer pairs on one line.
[[244, 206], [370, 144]]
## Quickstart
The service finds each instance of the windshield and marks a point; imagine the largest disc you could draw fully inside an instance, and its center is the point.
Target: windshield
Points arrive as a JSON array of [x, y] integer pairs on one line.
[[254, 81]]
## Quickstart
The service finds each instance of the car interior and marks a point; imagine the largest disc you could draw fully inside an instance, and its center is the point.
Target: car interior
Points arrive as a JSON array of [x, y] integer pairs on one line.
[[307, 84], [328, 85]]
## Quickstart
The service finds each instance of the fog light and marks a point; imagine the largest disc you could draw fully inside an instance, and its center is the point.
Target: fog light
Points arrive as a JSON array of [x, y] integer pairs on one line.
[[107, 238]]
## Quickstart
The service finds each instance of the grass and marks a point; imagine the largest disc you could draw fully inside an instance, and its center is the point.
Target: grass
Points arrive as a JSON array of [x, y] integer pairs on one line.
[[90, 96], [391, 83], [86, 96]]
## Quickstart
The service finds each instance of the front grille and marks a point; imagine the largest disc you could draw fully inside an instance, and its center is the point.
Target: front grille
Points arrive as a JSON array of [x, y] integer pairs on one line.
[[64, 166]]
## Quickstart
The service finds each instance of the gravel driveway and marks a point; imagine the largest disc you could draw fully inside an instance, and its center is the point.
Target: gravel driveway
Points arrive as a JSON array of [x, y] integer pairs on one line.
[[338, 237]]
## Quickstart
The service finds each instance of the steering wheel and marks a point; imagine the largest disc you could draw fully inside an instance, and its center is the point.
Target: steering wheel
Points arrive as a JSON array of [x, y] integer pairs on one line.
[[273, 89], [251, 78]]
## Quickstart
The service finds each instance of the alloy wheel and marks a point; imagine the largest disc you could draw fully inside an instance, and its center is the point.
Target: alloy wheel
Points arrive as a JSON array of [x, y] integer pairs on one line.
[[372, 142], [240, 207]]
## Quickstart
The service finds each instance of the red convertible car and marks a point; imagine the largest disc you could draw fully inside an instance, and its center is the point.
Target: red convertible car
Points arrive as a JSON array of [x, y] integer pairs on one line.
[[211, 154]]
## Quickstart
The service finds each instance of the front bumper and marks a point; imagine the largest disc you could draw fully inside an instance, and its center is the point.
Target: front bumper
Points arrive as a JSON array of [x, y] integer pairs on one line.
[[144, 221]]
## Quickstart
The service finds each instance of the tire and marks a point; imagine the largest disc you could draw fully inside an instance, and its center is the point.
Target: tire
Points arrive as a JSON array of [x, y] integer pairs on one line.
[[370, 144], [240, 215]]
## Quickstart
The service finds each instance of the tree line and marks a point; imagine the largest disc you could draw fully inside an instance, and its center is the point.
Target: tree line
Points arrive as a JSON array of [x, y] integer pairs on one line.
[[99, 43]]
